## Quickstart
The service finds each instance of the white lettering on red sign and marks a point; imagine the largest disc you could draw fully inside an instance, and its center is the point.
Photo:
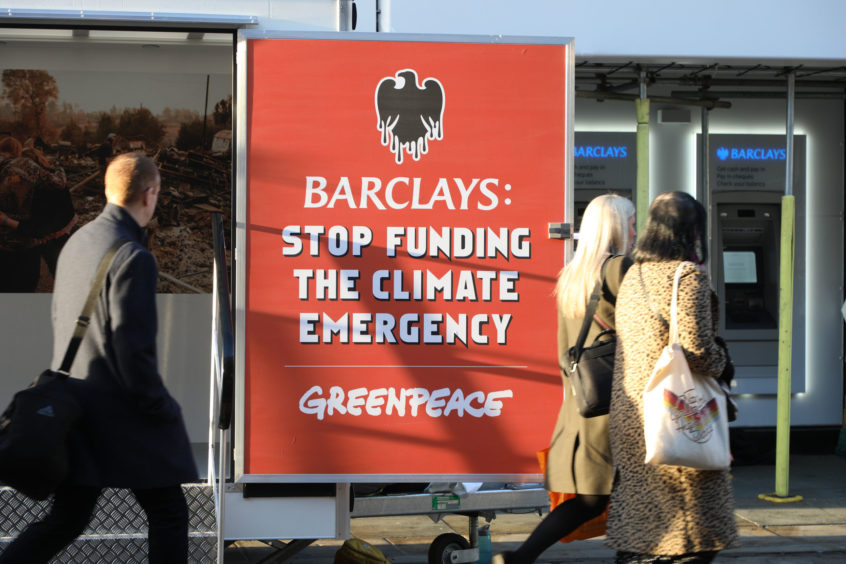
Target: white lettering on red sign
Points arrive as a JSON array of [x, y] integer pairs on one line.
[[404, 402]]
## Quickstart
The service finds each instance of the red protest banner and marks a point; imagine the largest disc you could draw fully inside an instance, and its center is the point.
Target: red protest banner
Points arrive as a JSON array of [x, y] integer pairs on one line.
[[399, 313]]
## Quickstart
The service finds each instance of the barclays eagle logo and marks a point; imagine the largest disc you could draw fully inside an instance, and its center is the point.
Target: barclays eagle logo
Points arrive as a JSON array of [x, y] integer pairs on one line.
[[722, 153], [409, 116]]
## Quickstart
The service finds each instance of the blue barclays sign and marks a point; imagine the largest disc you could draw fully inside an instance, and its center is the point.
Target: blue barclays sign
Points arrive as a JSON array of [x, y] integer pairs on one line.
[[750, 154], [601, 151], [605, 160], [756, 162]]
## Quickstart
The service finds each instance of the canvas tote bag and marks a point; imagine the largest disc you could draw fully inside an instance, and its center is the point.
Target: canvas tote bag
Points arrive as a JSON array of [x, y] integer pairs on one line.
[[685, 418]]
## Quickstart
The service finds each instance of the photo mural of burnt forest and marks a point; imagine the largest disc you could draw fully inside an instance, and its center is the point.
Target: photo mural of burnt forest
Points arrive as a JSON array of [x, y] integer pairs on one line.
[[53, 157]]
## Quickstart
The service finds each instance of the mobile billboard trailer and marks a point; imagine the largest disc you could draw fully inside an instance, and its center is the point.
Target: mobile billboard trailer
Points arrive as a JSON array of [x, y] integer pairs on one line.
[[394, 319]]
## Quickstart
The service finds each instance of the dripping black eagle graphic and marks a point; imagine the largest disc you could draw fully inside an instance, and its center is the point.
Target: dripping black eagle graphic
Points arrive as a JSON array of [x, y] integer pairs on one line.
[[409, 115]]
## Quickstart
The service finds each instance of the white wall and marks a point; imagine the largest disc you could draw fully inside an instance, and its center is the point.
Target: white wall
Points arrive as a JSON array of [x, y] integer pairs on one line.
[[184, 349], [87, 55]]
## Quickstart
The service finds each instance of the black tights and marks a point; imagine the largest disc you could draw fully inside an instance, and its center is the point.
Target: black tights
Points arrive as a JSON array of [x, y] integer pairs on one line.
[[560, 522]]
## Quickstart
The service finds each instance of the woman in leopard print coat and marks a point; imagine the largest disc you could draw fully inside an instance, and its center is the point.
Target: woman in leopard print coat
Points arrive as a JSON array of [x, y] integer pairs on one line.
[[665, 513]]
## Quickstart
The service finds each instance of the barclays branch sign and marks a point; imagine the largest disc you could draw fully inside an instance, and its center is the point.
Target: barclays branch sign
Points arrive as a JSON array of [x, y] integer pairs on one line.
[[750, 154], [752, 162], [601, 151], [605, 161]]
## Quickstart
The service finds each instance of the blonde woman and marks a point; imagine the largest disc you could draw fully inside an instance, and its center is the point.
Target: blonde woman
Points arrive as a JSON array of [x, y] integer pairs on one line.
[[579, 456]]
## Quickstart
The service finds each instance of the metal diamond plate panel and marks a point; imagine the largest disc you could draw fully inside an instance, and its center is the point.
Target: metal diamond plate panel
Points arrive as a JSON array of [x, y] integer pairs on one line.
[[201, 550], [201, 507], [118, 531]]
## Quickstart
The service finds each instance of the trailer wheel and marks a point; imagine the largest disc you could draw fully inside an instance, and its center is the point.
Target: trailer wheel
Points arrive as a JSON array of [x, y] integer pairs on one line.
[[444, 545]]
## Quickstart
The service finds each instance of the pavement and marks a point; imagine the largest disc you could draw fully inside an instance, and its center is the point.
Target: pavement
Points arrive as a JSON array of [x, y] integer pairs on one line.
[[809, 531]]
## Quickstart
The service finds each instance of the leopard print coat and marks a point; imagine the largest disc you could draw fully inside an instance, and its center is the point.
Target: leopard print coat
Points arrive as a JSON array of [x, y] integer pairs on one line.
[[665, 510]]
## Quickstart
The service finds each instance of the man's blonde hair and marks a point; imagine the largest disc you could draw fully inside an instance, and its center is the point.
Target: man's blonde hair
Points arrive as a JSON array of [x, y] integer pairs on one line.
[[129, 175]]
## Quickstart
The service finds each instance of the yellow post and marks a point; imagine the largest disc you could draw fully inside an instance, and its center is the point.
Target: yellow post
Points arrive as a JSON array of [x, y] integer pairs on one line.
[[642, 109], [785, 350]]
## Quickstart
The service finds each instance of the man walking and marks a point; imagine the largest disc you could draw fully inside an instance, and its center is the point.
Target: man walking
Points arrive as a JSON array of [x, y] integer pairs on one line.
[[132, 433]]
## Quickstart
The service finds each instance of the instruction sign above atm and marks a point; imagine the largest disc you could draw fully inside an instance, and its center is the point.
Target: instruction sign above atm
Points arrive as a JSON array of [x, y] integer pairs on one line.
[[753, 162], [399, 317], [605, 161]]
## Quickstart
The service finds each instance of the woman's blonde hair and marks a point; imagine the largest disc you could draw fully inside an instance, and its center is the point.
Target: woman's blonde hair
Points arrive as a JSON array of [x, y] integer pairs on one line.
[[604, 231]]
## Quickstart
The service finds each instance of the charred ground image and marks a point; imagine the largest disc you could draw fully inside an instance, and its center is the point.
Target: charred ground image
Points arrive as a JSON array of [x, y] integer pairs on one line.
[[192, 150], [194, 184]]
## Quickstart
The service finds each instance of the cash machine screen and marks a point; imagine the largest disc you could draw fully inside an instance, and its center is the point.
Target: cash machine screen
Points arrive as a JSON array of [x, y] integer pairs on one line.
[[746, 302], [740, 267]]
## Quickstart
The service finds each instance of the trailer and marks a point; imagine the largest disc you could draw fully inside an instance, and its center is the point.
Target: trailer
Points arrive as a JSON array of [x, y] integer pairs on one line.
[[387, 301]]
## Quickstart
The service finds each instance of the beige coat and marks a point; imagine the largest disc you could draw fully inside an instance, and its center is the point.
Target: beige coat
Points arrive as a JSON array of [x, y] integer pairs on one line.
[[579, 455], [663, 509]]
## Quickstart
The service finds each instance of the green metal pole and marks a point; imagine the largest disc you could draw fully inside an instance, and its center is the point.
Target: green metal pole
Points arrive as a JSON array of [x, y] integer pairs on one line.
[[642, 207], [785, 345]]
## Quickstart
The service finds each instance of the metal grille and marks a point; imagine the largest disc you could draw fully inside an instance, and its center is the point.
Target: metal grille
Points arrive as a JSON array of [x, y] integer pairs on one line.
[[118, 531], [706, 81]]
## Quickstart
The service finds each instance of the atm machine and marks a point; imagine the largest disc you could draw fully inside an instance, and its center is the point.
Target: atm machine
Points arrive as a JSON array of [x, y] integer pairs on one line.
[[747, 184]]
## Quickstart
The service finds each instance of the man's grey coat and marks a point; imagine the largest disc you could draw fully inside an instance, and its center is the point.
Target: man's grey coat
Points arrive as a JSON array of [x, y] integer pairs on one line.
[[132, 433]]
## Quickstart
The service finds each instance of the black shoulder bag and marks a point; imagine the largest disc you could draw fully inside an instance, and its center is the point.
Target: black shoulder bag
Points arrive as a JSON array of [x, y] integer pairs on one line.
[[591, 369], [34, 428]]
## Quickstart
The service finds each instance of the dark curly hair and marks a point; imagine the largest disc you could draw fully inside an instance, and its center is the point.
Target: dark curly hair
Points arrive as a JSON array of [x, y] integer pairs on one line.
[[675, 230]]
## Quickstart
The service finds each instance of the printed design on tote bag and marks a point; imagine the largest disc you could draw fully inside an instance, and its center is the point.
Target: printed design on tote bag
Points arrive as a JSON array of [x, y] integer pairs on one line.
[[409, 116], [692, 415]]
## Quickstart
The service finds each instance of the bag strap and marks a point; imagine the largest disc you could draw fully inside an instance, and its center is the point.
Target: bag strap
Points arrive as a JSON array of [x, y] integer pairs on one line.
[[601, 323], [591, 308], [85, 317], [606, 293]]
